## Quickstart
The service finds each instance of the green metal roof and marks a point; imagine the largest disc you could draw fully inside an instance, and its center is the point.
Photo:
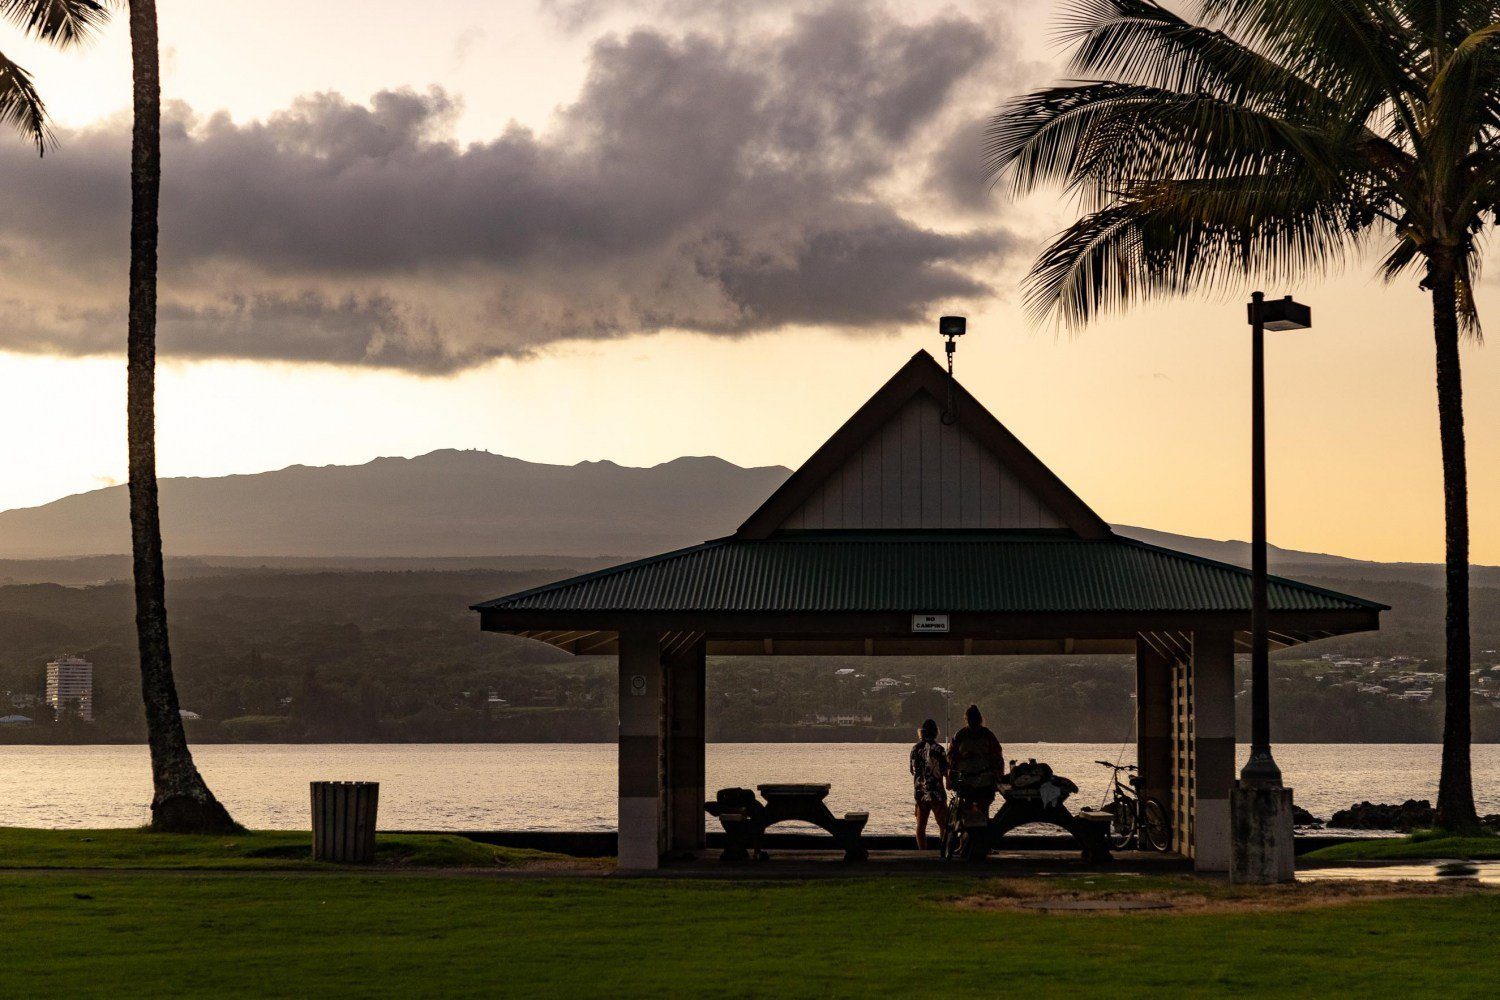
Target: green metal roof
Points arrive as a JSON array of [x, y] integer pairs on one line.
[[940, 571]]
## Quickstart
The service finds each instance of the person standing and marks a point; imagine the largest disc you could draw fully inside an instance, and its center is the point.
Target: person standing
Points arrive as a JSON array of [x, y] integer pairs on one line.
[[929, 769], [976, 759]]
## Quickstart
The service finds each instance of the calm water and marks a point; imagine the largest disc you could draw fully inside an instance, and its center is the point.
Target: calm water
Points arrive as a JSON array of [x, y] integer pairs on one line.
[[572, 787]]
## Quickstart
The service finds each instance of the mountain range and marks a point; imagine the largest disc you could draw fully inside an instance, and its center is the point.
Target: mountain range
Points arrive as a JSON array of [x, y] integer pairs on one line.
[[444, 504], [459, 509]]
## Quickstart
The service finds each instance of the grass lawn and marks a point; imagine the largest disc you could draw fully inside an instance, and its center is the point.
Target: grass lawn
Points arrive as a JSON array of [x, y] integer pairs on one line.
[[1420, 846], [264, 849], [255, 935]]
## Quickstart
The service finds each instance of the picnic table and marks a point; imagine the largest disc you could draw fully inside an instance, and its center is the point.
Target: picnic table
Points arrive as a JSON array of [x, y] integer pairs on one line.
[[745, 818], [1044, 804]]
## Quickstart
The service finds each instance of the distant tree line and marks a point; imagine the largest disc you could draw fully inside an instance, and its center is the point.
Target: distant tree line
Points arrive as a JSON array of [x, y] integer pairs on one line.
[[362, 657]]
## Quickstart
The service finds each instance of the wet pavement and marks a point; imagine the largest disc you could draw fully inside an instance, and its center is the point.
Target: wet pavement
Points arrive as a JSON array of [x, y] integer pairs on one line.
[[1483, 872]]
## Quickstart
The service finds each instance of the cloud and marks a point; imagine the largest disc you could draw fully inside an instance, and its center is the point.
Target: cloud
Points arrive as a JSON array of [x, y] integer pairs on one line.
[[727, 186], [958, 172]]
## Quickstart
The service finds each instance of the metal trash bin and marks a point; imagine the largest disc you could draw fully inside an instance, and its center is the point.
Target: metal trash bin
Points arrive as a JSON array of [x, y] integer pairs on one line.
[[343, 820]]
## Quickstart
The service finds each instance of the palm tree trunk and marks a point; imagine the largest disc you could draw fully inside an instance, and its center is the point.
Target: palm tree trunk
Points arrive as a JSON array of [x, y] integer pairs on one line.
[[1455, 804], [182, 802]]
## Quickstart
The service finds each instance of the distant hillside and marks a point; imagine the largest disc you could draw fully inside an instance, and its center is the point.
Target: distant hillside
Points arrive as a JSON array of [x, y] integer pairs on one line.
[[1302, 565], [455, 510], [444, 504]]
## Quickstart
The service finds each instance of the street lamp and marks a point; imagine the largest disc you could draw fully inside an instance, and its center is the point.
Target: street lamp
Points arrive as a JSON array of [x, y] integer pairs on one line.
[[947, 709], [1277, 315]]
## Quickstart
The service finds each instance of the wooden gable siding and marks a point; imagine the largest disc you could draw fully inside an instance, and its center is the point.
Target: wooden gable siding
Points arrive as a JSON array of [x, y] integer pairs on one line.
[[917, 472]]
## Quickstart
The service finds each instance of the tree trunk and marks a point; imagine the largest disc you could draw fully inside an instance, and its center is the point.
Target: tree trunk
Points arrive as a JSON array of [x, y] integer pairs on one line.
[[1455, 804], [182, 802]]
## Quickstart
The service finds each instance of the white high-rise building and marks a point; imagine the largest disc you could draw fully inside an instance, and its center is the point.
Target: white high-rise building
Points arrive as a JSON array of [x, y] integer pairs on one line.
[[70, 686]]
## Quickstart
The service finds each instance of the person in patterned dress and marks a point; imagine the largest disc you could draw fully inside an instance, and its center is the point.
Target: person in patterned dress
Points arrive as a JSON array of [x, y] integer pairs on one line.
[[929, 768]]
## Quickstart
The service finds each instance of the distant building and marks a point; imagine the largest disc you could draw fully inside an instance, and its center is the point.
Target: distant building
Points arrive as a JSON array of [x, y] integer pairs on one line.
[[70, 686], [886, 682], [188, 715], [14, 720], [844, 719]]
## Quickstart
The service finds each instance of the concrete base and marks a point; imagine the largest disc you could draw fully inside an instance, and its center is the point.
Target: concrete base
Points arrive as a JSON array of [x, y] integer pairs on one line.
[[1263, 842]]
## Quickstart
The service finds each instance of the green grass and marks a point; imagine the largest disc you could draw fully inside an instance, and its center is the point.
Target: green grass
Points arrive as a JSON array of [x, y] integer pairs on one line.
[[1421, 846], [263, 849], [254, 935]]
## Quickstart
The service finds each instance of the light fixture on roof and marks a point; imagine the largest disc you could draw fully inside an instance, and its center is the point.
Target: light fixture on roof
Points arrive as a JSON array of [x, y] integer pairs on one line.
[[951, 328]]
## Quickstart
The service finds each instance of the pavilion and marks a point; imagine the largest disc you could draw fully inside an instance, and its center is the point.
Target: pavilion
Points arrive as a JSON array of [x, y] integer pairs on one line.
[[922, 527]]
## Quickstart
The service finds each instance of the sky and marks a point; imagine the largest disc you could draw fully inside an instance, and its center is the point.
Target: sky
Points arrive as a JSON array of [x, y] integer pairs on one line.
[[574, 230]]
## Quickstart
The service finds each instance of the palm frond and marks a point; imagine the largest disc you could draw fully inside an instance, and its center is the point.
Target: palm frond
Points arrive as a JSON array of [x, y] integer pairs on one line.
[[1446, 23], [1468, 310], [21, 107], [1461, 97], [1350, 49], [63, 23], [1168, 239], [1142, 42], [1270, 140], [1097, 137]]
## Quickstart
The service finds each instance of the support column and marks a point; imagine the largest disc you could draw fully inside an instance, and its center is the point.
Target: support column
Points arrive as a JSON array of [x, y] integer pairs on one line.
[[685, 749], [1183, 756], [1153, 724], [642, 803], [1213, 708]]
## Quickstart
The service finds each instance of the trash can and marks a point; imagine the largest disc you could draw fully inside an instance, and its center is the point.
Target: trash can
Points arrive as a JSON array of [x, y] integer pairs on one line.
[[343, 820]]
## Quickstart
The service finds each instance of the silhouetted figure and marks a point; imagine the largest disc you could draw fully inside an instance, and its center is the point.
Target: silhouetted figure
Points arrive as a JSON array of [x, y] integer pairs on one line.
[[976, 760], [929, 768]]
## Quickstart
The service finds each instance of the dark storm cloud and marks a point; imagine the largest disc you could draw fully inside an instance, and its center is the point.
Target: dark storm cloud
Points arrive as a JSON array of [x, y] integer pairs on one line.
[[725, 187], [958, 171]]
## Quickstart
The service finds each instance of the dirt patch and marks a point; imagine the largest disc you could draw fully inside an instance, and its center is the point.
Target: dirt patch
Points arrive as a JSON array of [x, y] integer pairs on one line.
[[1193, 896], [564, 866]]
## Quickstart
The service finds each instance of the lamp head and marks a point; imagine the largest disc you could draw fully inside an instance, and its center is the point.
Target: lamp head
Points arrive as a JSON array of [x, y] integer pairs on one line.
[[1281, 314], [952, 326]]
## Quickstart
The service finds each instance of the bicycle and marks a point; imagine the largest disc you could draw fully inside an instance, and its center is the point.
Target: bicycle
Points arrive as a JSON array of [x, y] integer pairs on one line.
[[1140, 822]]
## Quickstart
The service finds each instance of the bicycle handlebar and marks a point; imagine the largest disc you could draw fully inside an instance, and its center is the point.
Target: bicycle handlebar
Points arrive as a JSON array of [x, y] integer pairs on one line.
[[1117, 767]]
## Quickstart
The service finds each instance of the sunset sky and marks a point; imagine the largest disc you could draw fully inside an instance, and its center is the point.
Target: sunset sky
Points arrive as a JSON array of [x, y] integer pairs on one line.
[[588, 229]]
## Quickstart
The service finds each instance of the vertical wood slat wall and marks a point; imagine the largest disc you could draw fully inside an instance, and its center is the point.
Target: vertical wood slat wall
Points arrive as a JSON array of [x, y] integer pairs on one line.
[[918, 473], [1183, 758]]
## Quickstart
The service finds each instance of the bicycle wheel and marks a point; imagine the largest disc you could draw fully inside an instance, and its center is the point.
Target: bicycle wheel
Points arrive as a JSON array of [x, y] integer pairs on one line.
[[1155, 832], [1122, 827]]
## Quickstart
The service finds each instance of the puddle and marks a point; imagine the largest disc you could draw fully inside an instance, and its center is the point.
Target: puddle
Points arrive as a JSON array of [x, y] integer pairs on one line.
[[1484, 872]]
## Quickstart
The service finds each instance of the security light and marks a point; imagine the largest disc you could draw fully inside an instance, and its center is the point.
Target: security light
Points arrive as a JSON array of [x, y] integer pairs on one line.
[[1282, 314], [952, 326]]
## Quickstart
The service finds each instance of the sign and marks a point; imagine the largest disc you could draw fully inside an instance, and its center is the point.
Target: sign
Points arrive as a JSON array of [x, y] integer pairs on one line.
[[929, 623], [638, 684]]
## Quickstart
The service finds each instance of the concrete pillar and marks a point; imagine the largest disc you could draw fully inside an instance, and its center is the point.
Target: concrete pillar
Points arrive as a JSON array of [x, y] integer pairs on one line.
[[1153, 724], [1182, 756], [642, 804], [685, 749], [1213, 778]]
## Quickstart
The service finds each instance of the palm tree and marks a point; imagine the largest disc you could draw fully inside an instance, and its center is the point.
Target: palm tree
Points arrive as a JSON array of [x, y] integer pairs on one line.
[[1266, 139], [182, 802], [64, 23]]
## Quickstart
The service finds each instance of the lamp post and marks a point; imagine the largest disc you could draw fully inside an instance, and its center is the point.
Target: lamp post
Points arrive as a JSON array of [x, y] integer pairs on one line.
[[1275, 315]]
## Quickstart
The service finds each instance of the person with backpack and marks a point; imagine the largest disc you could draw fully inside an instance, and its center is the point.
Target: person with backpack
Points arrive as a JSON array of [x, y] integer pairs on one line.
[[929, 768], [976, 760]]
